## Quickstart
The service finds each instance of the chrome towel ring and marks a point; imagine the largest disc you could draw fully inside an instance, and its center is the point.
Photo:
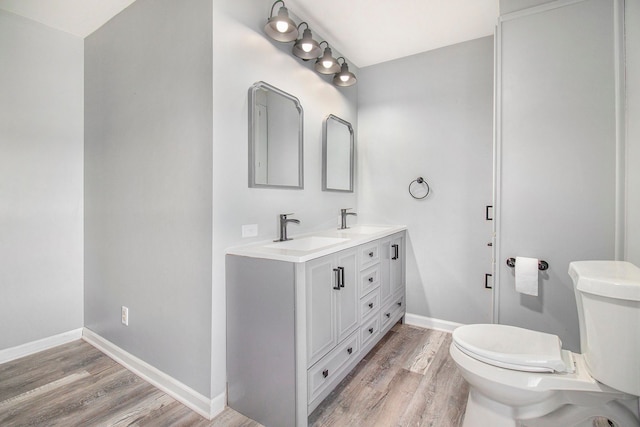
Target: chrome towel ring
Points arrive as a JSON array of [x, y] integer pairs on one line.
[[421, 188]]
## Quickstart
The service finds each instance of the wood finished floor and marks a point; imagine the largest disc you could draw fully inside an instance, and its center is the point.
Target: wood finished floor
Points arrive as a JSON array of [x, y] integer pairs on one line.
[[408, 379]]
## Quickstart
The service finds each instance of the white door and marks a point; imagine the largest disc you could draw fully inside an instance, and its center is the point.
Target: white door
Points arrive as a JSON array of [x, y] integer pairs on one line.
[[556, 155]]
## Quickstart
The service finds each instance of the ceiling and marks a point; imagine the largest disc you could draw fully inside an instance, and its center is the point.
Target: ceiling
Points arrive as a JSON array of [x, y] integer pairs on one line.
[[367, 32], [78, 17]]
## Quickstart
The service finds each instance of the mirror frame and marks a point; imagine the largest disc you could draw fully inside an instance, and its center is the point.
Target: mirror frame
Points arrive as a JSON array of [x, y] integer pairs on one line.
[[252, 118], [324, 154]]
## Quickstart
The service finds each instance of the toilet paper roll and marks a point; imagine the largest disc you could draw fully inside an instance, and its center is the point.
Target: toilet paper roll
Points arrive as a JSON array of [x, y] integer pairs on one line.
[[527, 275]]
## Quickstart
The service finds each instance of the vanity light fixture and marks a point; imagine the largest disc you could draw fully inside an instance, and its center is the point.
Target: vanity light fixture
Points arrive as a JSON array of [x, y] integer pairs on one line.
[[306, 48], [344, 77], [283, 29], [327, 64], [280, 27]]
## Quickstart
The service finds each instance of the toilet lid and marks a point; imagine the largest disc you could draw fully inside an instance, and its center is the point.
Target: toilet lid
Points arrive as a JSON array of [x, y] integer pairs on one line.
[[512, 347]]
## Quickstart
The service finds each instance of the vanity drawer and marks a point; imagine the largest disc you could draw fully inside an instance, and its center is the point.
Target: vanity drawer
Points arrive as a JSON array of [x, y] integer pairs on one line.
[[391, 311], [370, 330], [369, 254], [320, 375], [369, 279], [369, 305]]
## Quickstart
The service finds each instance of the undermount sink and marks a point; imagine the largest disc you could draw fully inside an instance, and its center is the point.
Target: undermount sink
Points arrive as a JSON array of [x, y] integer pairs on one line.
[[364, 229], [306, 243]]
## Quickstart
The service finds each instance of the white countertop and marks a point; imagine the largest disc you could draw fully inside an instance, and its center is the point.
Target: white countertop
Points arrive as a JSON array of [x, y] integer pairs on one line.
[[344, 239]]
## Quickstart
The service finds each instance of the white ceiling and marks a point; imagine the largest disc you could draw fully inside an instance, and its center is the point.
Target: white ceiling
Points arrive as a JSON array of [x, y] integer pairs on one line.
[[367, 32], [77, 17]]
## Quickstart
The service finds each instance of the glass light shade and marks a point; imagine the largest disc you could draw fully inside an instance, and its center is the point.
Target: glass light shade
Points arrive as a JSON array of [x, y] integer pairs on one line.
[[327, 64], [281, 28], [306, 48], [344, 77]]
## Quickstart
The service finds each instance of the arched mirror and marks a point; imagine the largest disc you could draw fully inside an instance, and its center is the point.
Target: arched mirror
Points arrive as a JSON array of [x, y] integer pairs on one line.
[[338, 155], [275, 138]]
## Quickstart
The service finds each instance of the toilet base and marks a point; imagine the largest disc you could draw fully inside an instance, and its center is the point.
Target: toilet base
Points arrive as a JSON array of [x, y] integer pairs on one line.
[[482, 412]]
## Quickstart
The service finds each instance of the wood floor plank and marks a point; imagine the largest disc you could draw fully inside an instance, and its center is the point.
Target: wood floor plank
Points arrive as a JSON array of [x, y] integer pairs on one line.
[[32, 372], [426, 352], [35, 393], [401, 389]]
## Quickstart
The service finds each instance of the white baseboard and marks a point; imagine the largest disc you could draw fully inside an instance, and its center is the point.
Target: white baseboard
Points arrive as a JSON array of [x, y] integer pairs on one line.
[[430, 322], [204, 406], [29, 348]]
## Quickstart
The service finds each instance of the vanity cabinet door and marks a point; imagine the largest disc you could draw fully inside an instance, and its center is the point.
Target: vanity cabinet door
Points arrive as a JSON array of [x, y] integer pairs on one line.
[[347, 296], [321, 307], [332, 302]]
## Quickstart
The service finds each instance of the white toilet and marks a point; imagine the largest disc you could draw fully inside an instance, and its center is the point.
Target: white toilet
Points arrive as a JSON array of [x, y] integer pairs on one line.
[[520, 377]]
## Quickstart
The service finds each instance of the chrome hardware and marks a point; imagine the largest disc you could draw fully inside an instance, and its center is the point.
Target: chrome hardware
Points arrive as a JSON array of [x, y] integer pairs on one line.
[[341, 276], [542, 265], [283, 227], [336, 274], [325, 373], [370, 305], [426, 189], [370, 279], [399, 303], [396, 252], [370, 330], [343, 218], [370, 254], [388, 315], [350, 350]]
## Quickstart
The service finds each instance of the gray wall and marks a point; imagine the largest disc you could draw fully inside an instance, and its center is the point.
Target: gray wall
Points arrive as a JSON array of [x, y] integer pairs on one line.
[[148, 185], [242, 56], [430, 115], [41, 125], [632, 27]]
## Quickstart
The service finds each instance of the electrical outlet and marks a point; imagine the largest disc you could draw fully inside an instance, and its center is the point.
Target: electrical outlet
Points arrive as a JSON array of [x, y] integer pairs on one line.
[[250, 230], [125, 316]]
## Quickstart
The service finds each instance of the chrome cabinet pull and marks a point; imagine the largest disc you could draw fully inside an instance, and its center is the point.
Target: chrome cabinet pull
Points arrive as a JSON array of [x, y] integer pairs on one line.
[[370, 279], [350, 350], [325, 373], [336, 278], [388, 314], [396, 252], [370, 330], [370, 305], [341, 269]]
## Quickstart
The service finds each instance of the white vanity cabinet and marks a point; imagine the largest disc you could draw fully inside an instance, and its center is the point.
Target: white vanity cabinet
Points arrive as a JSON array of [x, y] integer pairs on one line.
[[299, 322]]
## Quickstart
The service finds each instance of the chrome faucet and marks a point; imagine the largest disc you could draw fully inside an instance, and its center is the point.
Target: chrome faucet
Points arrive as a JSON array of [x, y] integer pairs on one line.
[[343, 218], [283, 227]]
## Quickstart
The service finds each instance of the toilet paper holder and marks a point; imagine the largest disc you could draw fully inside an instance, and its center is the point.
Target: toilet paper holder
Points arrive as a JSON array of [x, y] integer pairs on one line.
[[542, 265]]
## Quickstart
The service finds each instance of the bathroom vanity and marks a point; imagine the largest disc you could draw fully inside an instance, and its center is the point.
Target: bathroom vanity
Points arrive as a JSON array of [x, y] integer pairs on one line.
[[302, 313]]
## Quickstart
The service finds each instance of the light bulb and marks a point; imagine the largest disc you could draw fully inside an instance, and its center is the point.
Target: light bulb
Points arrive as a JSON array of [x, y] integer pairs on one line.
[[307, 47], [282, 26], [327, 64], [344, 77]]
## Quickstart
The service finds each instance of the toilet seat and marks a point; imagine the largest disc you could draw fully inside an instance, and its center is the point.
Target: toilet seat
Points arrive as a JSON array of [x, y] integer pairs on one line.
[[513, 348]]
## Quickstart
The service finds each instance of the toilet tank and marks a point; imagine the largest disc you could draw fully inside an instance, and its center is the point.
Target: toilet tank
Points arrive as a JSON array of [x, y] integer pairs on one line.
[[608, 300]]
